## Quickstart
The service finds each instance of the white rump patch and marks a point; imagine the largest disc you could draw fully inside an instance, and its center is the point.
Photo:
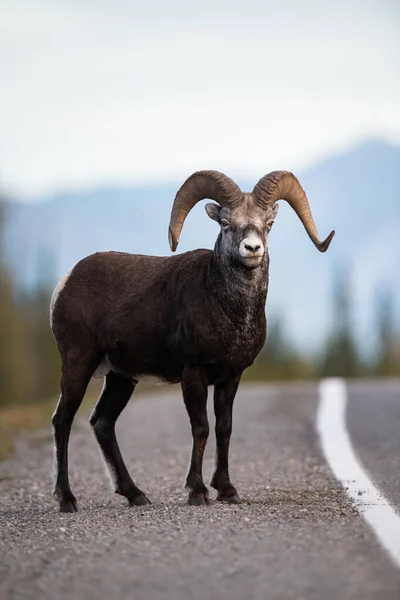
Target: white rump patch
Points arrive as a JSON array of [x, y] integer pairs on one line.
[[57, 291]]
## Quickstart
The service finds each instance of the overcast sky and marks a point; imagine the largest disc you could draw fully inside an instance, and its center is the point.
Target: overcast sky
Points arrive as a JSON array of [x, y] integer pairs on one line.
[[96, 92]]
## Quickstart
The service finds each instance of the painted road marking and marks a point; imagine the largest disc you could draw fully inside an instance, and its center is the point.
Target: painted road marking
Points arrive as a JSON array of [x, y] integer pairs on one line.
[[339, 453]]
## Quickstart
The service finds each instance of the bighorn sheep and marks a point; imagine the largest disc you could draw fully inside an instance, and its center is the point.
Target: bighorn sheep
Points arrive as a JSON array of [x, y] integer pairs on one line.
[[196, 318]]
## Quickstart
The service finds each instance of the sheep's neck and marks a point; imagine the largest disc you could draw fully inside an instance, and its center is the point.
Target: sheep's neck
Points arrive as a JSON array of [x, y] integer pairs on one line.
[[241, 292]]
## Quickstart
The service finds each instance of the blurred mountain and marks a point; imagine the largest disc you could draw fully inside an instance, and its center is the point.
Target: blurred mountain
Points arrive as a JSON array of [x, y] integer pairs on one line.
[[357, 193]]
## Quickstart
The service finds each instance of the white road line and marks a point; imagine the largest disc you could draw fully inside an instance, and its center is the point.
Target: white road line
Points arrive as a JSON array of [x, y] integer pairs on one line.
[[339, 453]]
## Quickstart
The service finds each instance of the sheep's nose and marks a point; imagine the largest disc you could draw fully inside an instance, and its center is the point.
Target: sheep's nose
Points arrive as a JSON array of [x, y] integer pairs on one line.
[[252, 247]]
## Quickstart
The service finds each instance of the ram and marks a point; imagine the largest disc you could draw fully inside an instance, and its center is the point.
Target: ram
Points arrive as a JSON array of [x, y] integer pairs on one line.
[[196, 318]]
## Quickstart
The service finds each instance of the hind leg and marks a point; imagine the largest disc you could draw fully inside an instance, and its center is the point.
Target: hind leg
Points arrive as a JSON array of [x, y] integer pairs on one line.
[[77, 370], [116, 393]]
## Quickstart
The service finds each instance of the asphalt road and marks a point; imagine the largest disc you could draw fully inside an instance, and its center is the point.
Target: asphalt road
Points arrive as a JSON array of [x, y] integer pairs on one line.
[[296, 535]]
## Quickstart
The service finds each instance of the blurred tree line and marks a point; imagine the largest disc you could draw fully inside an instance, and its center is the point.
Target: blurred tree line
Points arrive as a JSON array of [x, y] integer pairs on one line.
[[30, 365], [341, 355], [29, 362]]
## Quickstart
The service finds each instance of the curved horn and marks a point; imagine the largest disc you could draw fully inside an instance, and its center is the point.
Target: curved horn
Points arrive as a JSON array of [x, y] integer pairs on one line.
[[284, 185], [200, 185]]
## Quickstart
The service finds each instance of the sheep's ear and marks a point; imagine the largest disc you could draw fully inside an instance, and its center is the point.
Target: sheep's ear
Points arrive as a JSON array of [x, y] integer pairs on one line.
[[213, 211], [275, 209]]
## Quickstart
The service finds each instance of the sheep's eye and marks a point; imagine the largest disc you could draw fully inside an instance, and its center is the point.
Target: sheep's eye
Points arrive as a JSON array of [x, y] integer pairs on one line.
[[269, 224], [224, 224]]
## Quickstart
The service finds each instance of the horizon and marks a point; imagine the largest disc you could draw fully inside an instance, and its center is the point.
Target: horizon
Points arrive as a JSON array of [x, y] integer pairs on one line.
[[148, 184]]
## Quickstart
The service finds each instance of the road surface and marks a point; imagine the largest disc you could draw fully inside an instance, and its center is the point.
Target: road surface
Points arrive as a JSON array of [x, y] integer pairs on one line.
[[297, 534]]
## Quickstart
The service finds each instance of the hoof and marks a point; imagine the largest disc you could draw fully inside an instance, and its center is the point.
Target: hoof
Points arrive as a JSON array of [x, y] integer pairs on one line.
[[233, 499], [67, 501], [139, 500], [68, 507], [198, 499]]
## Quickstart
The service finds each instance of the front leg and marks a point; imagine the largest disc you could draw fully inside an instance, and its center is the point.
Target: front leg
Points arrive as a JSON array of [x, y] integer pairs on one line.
[[194, 388], [224, 395]]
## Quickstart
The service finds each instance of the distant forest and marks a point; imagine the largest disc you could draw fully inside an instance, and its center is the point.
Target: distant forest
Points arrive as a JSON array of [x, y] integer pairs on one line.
[[30, 364]]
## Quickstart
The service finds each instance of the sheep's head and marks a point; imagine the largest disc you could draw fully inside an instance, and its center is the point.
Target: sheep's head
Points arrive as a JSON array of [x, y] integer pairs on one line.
[[244, 229], [245, 218]]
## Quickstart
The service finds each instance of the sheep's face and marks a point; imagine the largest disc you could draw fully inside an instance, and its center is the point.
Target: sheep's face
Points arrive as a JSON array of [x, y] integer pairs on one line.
[[244, 230]]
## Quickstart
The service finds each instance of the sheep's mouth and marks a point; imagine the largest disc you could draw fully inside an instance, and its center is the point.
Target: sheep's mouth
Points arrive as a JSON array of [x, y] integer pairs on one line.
[[252, 262]]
